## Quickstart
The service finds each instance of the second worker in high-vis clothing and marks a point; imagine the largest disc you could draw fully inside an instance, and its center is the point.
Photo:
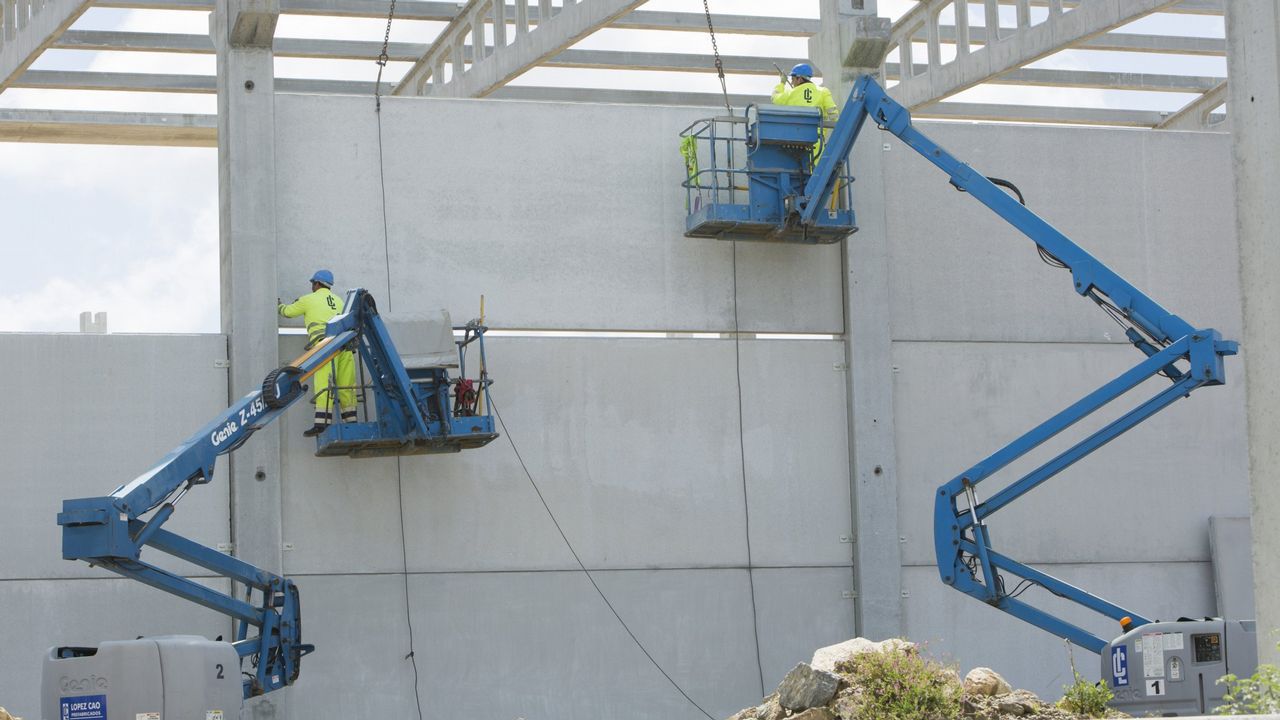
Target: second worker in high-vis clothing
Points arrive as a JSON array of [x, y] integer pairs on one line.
[[336, 379]]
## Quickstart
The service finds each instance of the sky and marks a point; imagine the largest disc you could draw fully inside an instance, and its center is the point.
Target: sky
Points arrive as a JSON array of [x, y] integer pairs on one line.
[[133, 231]]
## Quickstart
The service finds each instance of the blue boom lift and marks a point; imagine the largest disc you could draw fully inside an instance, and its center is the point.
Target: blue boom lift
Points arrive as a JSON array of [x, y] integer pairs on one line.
[[788, 198], [418, 410]]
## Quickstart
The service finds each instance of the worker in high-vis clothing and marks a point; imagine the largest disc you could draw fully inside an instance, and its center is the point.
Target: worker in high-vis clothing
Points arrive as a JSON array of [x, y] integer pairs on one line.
[[799, 90], [336, 379]]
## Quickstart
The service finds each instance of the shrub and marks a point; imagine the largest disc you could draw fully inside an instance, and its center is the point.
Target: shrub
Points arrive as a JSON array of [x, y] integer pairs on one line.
[[1085, 698], [1258, 694], [902, 685]]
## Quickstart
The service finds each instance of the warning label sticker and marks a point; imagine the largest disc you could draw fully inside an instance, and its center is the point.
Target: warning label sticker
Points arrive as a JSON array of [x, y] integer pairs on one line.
[[1153, 655], [213, 715], [1173, 641], [84, 707], [147, 716]]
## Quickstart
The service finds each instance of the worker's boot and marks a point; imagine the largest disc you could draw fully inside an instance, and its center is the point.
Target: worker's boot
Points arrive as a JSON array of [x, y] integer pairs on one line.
[[314, 430]]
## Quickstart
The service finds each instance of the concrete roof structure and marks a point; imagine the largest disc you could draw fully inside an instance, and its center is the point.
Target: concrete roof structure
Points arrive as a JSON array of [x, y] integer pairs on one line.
[[476, 55]]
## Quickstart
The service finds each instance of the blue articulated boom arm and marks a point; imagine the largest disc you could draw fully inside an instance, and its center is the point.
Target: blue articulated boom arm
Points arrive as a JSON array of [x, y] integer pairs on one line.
[[111, 531], [1187, 357]]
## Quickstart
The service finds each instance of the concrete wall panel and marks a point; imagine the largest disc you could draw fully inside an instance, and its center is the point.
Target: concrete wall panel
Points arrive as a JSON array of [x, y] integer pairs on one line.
[[530, 645], [957, 628], [1156, 209], [635, 445], [959, 402], [90, 413], [800, 610], [40, 614], [557, 229]]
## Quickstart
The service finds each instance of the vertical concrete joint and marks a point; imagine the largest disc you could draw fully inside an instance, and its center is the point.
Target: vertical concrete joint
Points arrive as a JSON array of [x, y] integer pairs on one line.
[[1253, 62], [241, 31], [852, 41]]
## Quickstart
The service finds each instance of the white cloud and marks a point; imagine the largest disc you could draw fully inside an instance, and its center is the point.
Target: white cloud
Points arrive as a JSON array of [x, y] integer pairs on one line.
[[166, 292]]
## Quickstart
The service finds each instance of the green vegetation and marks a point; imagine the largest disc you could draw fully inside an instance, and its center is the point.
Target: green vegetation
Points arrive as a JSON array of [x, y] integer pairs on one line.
[[1258, 694], [1085, 698], [903, 686]]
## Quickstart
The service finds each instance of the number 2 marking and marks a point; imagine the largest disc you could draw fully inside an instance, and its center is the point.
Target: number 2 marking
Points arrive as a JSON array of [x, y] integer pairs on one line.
[[219, 666]]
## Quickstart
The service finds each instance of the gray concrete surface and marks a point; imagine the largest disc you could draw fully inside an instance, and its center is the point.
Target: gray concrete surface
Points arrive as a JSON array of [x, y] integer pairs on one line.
[[558, 229], [635, 441], [1253, 56], [98, 410]]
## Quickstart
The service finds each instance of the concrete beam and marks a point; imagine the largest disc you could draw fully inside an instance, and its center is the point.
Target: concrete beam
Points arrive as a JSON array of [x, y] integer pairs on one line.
[[1197, 113], [495, 65], [108, 128], [426, 10], [1020, 46], [1253, 56], [1093, 79], [1115, 42], [155, 82], [27, 28], [1041, 114]]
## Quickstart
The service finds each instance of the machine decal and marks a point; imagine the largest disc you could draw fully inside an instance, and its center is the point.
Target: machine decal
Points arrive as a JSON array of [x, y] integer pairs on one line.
[[84, 707], [147, 716], [1120, 666], [1153, 657], [1155, 687], [1173, 641], [213, 715]]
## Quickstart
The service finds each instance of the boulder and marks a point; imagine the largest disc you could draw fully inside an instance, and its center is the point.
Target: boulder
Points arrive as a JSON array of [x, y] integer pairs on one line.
[[985, 681], [805, 688], [825, 659]]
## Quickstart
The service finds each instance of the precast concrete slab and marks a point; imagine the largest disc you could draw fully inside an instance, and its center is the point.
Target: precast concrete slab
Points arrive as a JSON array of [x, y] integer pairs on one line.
[[799, 611], [635, 445], [41, 614], [1154, 207], [959, 402], [538, 644], [956, 628], [564, 230], [96, 412]]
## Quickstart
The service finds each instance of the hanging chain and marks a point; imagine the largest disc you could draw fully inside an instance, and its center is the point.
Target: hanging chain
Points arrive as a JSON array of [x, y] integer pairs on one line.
[[724, 90], [383, 58]]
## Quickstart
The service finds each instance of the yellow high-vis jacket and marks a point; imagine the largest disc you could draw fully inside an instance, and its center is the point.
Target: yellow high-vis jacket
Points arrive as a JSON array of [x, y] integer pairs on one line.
[[807, 95], [316, 309]]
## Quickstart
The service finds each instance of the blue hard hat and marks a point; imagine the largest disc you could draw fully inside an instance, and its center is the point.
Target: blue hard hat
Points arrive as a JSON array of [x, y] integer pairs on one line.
[[804, 70], [324, 277]]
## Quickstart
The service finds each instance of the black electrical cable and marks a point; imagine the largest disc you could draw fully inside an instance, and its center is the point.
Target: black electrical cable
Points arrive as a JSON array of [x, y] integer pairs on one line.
[[386, 249], [582, 566], [742, 457]]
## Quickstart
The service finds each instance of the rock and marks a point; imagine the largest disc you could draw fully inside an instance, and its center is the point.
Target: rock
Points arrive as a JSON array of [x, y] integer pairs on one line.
[[985, 681], [1018, 702], [805, 688], [818, 713], [825, 659], [1012, 708]]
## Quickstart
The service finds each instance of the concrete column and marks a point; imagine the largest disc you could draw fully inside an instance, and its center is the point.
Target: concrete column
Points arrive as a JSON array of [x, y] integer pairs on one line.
[[242, 32], [1253, 60], [852, 42]]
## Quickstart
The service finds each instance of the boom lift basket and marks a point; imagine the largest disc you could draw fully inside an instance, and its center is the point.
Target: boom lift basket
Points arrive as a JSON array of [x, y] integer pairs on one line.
[[758, 167], [451, 428]]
